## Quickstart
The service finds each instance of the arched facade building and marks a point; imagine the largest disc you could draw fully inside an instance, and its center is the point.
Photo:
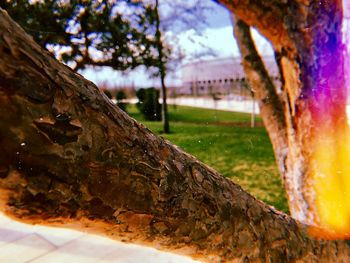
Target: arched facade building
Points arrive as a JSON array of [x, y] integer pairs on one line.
[[220, 77]]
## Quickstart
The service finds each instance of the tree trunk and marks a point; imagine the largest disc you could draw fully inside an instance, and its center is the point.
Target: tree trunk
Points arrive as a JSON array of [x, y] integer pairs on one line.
[[311, 137], [69, 157], [264, 91], [162, 71], [165, 114]]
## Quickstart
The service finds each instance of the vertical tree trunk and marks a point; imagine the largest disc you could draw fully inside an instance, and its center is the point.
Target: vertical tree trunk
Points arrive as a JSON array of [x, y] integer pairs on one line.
[[165, 114], [316, 116], [252, 117], [264, 91], [310, 137], [162, 71]]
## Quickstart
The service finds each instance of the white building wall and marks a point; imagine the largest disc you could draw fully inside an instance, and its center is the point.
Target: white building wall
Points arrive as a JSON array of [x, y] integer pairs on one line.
[[219, 76]]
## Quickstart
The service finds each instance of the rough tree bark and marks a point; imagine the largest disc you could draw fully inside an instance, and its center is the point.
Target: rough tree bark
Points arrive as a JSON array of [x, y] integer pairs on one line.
[[71, 158], [307, 39], [264, 90]]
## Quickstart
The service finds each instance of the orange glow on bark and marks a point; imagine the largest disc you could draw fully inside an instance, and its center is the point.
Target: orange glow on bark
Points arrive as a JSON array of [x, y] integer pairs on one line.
[[331, 176]]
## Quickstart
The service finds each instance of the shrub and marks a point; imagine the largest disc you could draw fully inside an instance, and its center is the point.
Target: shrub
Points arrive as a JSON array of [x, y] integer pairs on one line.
[[148, 104], [121, 97]]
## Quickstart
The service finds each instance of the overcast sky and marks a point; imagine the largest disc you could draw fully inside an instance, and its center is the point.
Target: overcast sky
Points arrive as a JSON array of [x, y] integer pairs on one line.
[[216, 37]]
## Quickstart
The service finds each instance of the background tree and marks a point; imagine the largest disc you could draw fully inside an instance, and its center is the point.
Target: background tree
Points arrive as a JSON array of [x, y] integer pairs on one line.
[[161, 65], [70, 157], [89, 33], [170, 18]]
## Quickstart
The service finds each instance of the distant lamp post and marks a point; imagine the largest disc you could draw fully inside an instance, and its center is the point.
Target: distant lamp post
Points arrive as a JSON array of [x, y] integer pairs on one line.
[[252, 120], [216, 98]]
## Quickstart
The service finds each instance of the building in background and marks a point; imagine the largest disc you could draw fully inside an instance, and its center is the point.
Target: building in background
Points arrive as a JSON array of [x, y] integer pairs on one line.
[[220, 77]]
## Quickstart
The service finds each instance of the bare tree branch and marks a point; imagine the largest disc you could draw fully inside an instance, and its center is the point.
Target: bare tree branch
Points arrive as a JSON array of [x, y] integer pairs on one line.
[[270, 104]]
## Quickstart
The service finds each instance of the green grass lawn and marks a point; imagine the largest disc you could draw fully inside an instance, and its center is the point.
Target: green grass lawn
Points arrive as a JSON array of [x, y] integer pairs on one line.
[[192, 114], [242, 154]]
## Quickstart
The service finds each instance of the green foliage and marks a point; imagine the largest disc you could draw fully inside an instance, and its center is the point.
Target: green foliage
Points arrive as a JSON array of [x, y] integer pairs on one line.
[[92, 32], [148, 104], [121, 97], [242, 154]]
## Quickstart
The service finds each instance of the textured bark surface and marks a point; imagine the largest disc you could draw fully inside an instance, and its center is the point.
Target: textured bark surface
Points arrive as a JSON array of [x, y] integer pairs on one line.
[[69, 157], [265, 92], [270, 17], [307, 39]]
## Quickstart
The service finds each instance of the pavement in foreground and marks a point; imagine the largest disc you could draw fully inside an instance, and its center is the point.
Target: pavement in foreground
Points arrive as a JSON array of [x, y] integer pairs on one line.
[[22, 243]]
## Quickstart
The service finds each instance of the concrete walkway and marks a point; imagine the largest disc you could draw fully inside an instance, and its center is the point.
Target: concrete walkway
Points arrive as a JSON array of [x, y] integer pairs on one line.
[[227, 104], [236, 104], [22, 243]]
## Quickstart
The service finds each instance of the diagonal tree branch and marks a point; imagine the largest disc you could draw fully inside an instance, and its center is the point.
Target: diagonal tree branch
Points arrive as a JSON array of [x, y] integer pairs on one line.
[[70, 157]]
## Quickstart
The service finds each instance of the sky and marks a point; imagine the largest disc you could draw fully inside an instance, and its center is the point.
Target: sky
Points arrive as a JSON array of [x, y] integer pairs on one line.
[[217, 38]]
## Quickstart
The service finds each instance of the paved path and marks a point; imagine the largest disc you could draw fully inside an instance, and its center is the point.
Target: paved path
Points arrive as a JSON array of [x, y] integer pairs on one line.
[[228, 104], [22, 243]]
